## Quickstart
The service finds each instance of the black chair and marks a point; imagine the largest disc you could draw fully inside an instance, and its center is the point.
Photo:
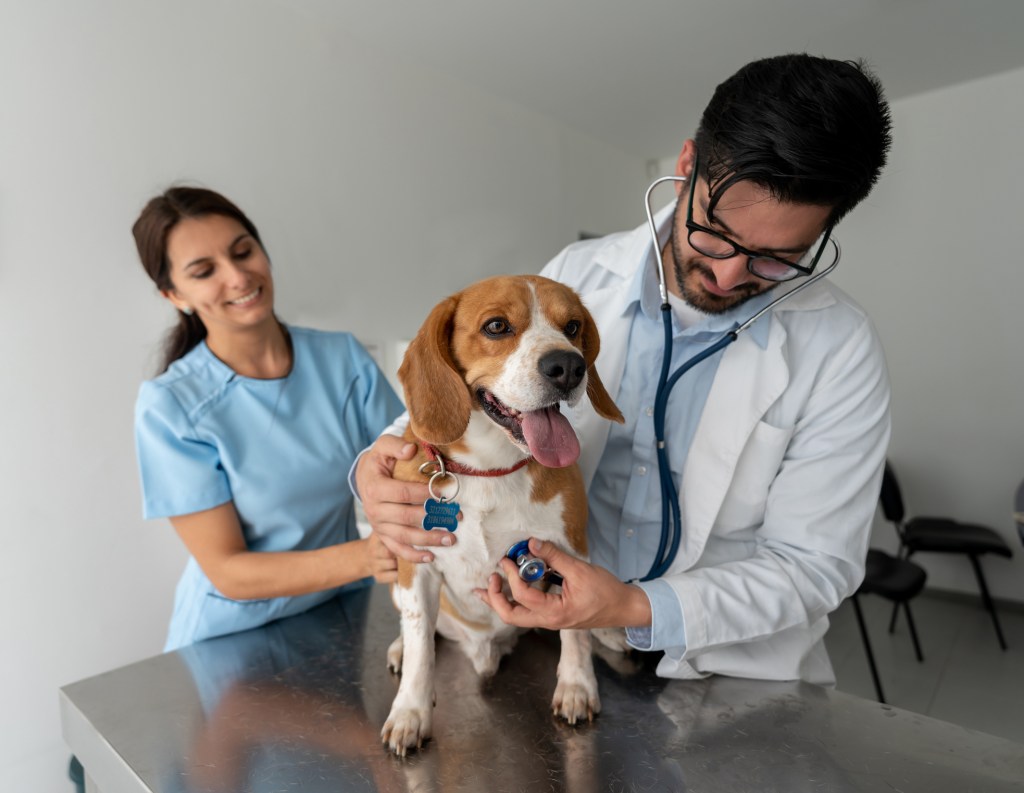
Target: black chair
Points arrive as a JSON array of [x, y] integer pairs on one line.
[[942, 535], [897, 580]]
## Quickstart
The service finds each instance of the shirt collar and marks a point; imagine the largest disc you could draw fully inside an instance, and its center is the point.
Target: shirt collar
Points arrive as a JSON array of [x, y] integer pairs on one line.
[[643, 293]]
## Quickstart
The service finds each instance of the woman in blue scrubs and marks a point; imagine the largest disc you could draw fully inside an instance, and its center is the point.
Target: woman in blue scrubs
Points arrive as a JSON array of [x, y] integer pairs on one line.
[[245, 440]]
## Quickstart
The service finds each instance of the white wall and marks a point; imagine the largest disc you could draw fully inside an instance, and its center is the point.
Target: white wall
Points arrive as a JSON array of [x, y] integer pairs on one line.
[[935, 256], [378, 186]]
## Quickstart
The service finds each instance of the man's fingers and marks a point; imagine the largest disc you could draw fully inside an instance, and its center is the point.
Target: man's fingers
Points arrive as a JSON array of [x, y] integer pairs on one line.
[[555, 557], [509, 612], [384, 490], [530, 607], [407, 552], [394, 446], [389, 518]]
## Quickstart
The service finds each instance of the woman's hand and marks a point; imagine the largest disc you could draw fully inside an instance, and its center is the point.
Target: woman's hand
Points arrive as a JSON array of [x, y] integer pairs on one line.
[[590, 597], [395, 508], [383, 565]]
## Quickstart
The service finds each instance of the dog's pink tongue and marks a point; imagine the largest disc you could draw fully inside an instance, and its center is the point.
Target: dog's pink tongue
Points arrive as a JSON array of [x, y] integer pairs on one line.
[[551, 438]]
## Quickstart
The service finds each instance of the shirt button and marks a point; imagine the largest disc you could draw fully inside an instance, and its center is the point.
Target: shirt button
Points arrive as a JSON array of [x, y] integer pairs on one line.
[[649, 411], [641, 469], [629, 532]]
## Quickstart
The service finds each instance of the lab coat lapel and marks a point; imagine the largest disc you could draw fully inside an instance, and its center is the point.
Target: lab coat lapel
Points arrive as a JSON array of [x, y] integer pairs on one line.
[[606, 307], [747, 383]]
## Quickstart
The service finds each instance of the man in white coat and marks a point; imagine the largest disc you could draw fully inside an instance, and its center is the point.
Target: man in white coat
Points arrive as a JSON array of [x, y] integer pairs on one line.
[[776, 445]]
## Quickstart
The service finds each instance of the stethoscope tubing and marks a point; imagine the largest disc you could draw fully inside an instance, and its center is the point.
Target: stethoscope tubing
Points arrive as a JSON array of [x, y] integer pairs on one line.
[[671, 516]]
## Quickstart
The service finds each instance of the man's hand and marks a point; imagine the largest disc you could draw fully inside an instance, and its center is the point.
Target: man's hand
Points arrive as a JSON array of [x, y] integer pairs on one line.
[[591, 597], [394, 508]]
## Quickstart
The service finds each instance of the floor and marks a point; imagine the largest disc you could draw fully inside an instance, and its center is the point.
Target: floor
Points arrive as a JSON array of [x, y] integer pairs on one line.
[[965, 677]]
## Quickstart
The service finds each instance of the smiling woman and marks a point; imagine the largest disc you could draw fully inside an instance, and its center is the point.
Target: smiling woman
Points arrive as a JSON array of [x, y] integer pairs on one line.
[[245, 439]]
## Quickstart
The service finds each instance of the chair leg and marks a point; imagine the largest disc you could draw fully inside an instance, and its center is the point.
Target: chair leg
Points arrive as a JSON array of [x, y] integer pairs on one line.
[[913, 631], [987, 599], [903, 553], [867, 648], [892, 619]]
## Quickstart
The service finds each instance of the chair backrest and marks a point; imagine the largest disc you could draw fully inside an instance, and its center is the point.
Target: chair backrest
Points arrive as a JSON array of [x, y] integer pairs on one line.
[[1018, 506], [891, 498]]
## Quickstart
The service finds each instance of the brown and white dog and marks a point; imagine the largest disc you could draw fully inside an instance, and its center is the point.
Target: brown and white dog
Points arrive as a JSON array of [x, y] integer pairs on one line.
[[483, 380]]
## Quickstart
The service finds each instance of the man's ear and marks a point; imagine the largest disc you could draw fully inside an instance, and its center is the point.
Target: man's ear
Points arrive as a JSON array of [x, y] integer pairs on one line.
[[684, 164]]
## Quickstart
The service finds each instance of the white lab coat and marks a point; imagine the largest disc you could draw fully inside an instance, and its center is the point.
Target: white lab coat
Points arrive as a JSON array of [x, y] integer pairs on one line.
[[782, 478]]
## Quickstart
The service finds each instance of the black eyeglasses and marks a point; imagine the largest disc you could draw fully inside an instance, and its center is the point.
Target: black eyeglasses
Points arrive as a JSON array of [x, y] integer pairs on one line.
[[771, 268]]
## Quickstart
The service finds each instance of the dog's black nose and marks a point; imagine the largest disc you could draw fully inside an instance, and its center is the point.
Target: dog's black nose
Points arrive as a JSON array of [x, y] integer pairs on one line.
[[563, 368]]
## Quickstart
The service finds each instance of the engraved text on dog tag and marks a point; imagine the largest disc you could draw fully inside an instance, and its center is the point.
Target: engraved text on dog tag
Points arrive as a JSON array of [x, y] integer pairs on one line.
[[440, 514]]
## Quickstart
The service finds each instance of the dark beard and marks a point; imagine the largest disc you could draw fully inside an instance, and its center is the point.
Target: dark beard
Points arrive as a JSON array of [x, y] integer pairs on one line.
[[705, 302]]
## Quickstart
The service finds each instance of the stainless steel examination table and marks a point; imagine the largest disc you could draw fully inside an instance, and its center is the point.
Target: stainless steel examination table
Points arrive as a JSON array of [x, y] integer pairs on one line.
[[298, 706]]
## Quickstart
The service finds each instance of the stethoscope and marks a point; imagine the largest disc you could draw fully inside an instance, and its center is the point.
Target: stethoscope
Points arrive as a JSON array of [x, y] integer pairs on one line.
[[671, 519]]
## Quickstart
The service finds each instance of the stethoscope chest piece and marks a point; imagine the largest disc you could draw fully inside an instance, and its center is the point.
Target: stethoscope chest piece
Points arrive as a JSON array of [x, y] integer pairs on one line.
[[530, 567]]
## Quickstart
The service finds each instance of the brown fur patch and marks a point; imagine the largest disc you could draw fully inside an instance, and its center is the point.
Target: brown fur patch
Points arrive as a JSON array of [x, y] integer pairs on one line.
[[568, 482], [451, 611]]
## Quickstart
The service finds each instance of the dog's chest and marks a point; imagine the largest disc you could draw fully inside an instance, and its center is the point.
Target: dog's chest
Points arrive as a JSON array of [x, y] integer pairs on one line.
[[497, 512]]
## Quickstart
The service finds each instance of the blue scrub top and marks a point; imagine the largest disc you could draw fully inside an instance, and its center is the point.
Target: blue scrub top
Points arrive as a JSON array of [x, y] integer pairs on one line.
[[279, 449]]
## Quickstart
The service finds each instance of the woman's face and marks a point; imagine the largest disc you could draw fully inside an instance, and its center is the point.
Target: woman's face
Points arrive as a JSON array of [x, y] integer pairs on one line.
[[219, 271]]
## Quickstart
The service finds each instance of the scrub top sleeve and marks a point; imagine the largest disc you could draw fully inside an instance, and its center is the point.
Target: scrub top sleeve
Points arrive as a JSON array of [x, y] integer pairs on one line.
[[180, 473], [380, 405]]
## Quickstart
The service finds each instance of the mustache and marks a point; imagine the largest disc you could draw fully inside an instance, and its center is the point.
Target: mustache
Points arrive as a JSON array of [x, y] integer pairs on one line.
[[707, 272]]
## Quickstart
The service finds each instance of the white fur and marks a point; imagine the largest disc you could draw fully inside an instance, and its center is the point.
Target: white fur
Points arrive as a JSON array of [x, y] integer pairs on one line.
[[520, 384], [497, 512]]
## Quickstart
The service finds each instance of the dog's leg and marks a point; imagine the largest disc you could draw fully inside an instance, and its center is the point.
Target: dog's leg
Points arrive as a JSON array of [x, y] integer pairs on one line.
[[576, 695], [408, 724]]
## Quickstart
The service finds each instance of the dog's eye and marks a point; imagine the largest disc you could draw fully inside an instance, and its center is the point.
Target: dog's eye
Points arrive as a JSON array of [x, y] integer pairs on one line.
[[497, 326], [572, 329]]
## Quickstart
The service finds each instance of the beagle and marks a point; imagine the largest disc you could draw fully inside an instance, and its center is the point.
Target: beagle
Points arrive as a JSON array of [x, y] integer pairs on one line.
[[483, 380]]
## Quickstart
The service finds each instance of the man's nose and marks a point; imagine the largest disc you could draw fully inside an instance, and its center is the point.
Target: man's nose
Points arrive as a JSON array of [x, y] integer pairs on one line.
[[731, 272]]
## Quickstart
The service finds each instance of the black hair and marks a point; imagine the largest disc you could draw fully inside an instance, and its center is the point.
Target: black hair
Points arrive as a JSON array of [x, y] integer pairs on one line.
[[811, 130]]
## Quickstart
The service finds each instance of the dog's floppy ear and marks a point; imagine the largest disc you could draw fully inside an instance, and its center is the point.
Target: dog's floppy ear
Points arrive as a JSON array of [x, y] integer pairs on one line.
[[599, 398], [435, 392]]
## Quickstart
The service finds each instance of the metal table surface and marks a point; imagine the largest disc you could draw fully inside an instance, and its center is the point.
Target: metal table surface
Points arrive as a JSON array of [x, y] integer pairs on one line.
[[298, 706]]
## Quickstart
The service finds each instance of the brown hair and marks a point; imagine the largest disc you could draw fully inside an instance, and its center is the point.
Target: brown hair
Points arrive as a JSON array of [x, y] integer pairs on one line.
[[154, 224]]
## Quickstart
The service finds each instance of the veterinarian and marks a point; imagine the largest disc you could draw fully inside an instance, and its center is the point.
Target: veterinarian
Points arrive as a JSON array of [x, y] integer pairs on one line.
[[776, 444], [245, 439]]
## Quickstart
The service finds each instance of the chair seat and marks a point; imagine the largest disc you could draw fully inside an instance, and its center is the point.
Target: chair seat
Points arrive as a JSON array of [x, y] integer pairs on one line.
[[895, 579], [949, 536]]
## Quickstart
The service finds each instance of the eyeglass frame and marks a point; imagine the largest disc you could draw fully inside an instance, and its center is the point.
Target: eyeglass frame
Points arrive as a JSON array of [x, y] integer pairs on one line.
[[692, 226]]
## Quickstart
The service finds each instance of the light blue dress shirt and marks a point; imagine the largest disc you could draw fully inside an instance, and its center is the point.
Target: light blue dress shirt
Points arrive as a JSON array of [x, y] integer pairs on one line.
[[279, 449], [625, 496]]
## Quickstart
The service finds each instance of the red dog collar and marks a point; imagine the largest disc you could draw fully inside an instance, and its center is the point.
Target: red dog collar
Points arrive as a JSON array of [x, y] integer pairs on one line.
[[456, 468]]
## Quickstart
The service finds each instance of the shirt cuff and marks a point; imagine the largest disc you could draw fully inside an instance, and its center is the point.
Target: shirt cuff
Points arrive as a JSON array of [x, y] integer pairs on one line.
[[352, 475], [666, 628]]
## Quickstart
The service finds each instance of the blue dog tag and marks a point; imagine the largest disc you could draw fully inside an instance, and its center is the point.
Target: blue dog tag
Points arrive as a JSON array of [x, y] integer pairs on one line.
[[440, 514]]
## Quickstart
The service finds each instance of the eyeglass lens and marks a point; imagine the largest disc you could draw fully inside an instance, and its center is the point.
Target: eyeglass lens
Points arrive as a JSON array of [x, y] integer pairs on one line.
[[762, 266]]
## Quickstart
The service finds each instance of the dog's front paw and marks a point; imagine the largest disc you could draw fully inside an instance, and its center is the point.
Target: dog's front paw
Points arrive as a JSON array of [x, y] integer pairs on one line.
[[405, 729], [576, 701]]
